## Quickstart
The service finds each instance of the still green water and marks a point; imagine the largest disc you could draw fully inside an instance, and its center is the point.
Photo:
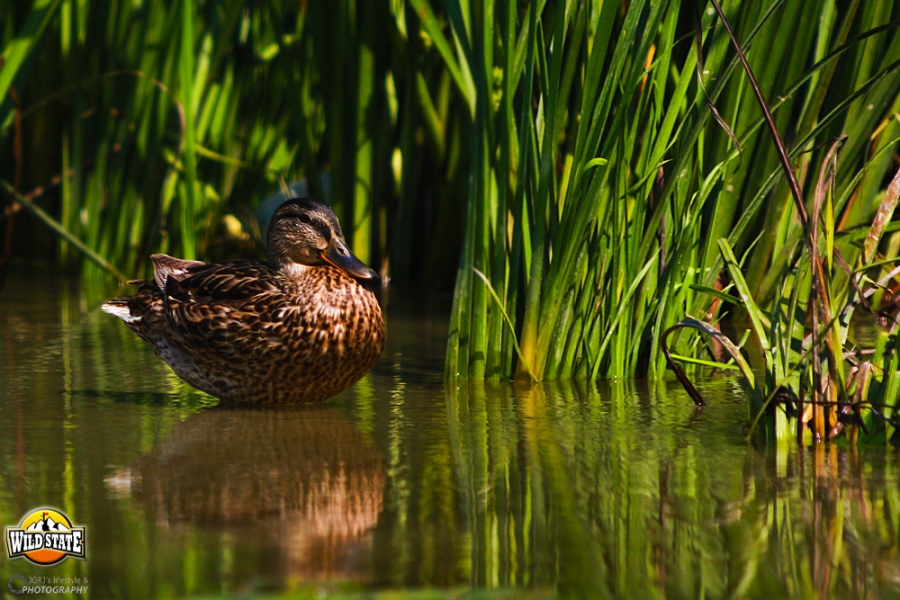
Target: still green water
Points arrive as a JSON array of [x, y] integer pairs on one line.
[[405, 485]]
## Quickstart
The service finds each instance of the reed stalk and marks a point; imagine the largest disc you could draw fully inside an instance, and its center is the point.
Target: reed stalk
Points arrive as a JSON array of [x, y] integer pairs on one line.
[[605, 233]]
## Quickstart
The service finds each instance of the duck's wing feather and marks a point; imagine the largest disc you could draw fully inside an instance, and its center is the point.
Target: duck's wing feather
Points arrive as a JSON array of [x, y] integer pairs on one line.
[[231, 309], [232, 282]]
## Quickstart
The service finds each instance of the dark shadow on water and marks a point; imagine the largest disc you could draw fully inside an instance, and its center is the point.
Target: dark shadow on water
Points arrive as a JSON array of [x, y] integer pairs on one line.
[[149, 398]]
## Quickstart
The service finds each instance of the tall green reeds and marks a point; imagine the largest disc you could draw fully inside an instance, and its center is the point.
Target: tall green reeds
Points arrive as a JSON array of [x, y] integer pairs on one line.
[[162, 126], [603, 177], [822, 382]]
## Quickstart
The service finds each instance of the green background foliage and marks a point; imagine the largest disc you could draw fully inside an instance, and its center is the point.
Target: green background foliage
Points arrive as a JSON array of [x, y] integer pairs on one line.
[[161, 127]]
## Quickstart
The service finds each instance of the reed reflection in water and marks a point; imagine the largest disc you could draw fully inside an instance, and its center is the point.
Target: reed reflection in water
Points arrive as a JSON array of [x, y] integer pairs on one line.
[[625, 492]]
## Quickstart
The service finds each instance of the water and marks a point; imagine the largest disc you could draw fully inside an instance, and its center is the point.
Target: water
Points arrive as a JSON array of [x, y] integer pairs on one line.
[[405, 486]]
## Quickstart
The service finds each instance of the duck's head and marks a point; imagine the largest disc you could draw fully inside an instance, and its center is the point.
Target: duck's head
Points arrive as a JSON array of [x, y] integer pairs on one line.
[[306, 232]]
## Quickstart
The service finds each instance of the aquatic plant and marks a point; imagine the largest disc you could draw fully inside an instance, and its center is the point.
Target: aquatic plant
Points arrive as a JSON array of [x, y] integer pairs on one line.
[[816, 381], [604, 176], [804, 339]]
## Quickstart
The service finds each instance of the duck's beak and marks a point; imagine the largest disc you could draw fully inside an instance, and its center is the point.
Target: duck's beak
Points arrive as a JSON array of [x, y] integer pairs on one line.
[[338, 255]]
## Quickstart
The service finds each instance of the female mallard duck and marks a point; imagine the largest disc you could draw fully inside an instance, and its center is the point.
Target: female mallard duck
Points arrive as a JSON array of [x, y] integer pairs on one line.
[[299, 328]]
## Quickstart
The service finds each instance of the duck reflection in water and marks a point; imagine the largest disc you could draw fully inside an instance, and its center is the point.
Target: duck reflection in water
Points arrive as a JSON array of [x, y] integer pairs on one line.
[[306, 480]]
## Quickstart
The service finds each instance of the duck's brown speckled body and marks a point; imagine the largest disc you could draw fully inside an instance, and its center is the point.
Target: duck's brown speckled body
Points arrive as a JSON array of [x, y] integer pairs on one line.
[[300, 328]]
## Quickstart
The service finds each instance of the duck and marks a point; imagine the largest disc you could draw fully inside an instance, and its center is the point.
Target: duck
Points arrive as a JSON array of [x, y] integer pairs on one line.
[[299, 328]]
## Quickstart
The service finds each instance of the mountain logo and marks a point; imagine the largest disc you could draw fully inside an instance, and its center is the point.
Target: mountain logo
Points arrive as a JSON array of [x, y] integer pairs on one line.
[[45, 536]]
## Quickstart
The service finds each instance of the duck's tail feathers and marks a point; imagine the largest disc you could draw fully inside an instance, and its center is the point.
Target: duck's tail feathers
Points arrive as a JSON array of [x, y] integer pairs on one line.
[[118, 307]]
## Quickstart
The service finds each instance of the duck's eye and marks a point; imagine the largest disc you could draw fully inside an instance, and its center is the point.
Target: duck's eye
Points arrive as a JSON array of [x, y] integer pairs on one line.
[[304, 218]]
